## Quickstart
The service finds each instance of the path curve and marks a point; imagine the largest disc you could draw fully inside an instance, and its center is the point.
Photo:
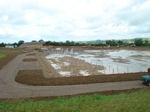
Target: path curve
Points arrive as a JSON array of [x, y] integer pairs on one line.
[[11, 89]]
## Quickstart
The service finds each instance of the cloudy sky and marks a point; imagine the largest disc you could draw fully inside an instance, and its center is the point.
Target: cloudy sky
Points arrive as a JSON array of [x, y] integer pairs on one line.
[[78, 20]]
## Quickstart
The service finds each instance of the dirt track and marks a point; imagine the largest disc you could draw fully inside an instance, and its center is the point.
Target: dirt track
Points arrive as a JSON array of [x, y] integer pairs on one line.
[[11, 89]]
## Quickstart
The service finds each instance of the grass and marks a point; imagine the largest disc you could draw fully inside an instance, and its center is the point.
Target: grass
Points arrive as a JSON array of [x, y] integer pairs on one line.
[[133, 102], [2, 55]]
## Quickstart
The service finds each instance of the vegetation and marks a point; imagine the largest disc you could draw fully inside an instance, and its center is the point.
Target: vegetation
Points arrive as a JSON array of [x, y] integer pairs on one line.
[[15, 44], [2, 55], [131, 102], [112, 42], [2, 44], [67, 43], [19, 43], [136, 42], [133, 42]]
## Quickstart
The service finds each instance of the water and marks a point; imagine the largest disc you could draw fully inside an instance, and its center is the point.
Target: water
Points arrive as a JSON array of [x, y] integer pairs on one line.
[[114, 61]]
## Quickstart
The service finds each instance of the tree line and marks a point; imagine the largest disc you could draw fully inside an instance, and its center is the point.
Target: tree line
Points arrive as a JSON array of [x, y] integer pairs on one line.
[[15, 44], [136, 42]]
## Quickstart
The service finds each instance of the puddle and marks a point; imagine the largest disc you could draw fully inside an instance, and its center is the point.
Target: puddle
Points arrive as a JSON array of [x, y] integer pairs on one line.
[[55, 66], [66, 63], [84, 73], [64, 73], [113, 61]]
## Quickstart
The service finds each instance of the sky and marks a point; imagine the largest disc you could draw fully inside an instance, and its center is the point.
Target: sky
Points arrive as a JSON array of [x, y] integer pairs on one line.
[[77, 20]]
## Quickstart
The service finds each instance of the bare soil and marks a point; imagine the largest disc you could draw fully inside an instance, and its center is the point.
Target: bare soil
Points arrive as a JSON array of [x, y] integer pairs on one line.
[[10, 88], [48, 70], [29, 59], [10, 54], [120, 60], [36, 77], [146, 48], [31, 54], [76, 65], [140, 56]]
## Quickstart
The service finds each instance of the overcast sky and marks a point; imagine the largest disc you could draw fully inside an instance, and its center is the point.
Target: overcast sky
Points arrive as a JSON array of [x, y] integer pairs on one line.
[[78, 20]]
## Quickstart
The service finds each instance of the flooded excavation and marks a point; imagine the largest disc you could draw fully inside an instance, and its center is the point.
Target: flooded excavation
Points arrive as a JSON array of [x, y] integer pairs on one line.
[[70, 62]]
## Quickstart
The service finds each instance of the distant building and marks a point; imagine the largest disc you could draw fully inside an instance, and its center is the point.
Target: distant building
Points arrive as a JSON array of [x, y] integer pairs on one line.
[[9, 46], [32, 44]]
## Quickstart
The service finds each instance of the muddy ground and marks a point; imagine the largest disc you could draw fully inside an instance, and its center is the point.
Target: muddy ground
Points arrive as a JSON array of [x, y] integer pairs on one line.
[[75, 66], [36, 78], [10, 88], [83, 61], [48, 76], [104, 48]]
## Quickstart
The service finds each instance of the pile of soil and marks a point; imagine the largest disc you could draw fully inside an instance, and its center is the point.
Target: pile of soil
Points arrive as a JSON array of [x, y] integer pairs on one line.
[[35, 77]]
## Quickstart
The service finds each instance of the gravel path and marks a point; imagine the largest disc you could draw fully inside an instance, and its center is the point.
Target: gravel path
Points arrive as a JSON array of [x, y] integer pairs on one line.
[[11, 89]]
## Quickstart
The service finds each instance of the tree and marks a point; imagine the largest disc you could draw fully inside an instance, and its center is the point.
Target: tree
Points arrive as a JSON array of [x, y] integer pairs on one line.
[[111, 42], [41, 40], [68, 43], [72, 43], [20, 42], [2, 44], [146, 43], [120, 42], [33, 40], [15, 44], [138, 42]]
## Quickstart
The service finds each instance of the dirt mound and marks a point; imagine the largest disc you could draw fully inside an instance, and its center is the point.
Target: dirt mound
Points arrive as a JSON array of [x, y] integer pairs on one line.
[[35, 77], [29, 59]]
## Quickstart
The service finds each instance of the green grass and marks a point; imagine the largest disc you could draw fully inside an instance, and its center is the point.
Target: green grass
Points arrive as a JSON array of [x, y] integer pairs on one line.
[[133, 102], [2, 55]]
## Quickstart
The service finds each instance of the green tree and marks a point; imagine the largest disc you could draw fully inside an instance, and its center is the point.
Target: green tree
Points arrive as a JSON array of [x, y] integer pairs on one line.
[[20, 42], [146, 43], [15, 44], [111, 42], [72, 43], [68, 43], [41, 40], [2, 44], [138, 42], [120, 42], [34, 41]]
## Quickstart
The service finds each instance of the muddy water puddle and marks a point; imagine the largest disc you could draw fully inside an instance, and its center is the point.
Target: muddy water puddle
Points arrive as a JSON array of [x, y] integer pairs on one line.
[[94, 62]]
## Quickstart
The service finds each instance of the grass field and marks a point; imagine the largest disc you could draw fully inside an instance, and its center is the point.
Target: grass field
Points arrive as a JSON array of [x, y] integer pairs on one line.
[[132, 102], [2, 55]]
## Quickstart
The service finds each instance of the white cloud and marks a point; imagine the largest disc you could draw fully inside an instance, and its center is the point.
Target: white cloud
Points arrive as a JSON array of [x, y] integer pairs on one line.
[[62, 20], [5, 18]]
